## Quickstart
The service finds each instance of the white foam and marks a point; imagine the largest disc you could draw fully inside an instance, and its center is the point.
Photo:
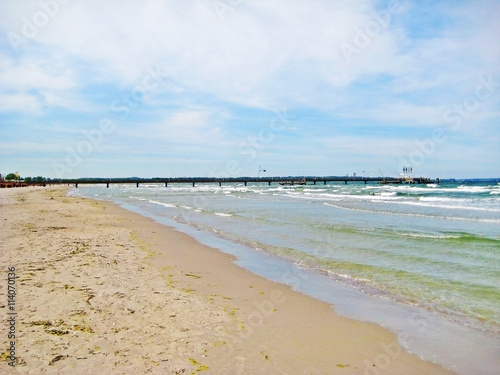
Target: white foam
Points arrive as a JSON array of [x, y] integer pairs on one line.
[[412, 214], [473, 189], [160, 203], [454, 204]]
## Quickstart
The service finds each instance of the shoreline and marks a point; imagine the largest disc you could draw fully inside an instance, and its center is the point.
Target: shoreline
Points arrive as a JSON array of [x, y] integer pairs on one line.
[[102, 287], [427, 334]]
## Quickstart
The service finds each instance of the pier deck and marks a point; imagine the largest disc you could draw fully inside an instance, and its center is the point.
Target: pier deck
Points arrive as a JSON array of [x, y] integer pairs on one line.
[[309, 180]]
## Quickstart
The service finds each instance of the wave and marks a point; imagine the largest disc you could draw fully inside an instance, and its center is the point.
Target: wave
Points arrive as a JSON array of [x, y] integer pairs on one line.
[[170, 205], [451, 236], [160, 203], [386, 212], [435, 189], [468, 237], [454, 204], [473, 189]]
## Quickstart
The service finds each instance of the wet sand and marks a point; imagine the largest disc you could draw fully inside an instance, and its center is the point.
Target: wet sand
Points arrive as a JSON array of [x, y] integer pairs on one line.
[[105, 291]]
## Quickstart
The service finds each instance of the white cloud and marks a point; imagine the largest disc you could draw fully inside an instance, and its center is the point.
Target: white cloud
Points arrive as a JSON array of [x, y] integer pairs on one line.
[[19, 103], [27, 147], [182, 127], [34, 73], [249, 57], [32, 84], [401, 114], [262, 54]]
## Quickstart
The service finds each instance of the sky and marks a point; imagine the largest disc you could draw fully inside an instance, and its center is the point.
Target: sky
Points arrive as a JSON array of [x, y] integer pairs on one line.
[[174, 88]]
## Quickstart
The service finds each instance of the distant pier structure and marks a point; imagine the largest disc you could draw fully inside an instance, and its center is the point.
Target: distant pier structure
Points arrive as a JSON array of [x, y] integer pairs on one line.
[[289, 180], [16, 184]]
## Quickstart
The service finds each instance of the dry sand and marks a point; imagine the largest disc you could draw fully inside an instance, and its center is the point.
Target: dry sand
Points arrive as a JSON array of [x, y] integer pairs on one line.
[[101, 290]]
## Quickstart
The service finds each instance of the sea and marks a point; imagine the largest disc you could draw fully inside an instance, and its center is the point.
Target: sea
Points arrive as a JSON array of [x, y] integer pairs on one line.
[[422, 260]]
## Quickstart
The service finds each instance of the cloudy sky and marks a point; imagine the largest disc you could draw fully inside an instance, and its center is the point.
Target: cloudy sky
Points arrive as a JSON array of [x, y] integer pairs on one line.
[[113, 88]]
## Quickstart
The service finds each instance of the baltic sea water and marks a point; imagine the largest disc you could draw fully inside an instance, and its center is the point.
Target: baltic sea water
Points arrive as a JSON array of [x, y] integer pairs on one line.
[[418, 259]]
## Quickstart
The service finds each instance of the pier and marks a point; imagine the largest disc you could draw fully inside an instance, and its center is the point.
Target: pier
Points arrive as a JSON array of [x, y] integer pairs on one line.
[[289, 180]]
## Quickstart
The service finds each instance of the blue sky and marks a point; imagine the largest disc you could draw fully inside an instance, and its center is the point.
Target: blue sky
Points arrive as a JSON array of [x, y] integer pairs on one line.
[[220, 87]]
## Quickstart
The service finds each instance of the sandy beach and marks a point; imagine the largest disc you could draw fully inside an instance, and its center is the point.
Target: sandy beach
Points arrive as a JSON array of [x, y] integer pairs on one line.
[[101, 290]]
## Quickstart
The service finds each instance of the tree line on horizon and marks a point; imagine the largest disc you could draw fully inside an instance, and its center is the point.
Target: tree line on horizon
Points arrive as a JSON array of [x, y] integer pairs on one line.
[[16, 177]]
